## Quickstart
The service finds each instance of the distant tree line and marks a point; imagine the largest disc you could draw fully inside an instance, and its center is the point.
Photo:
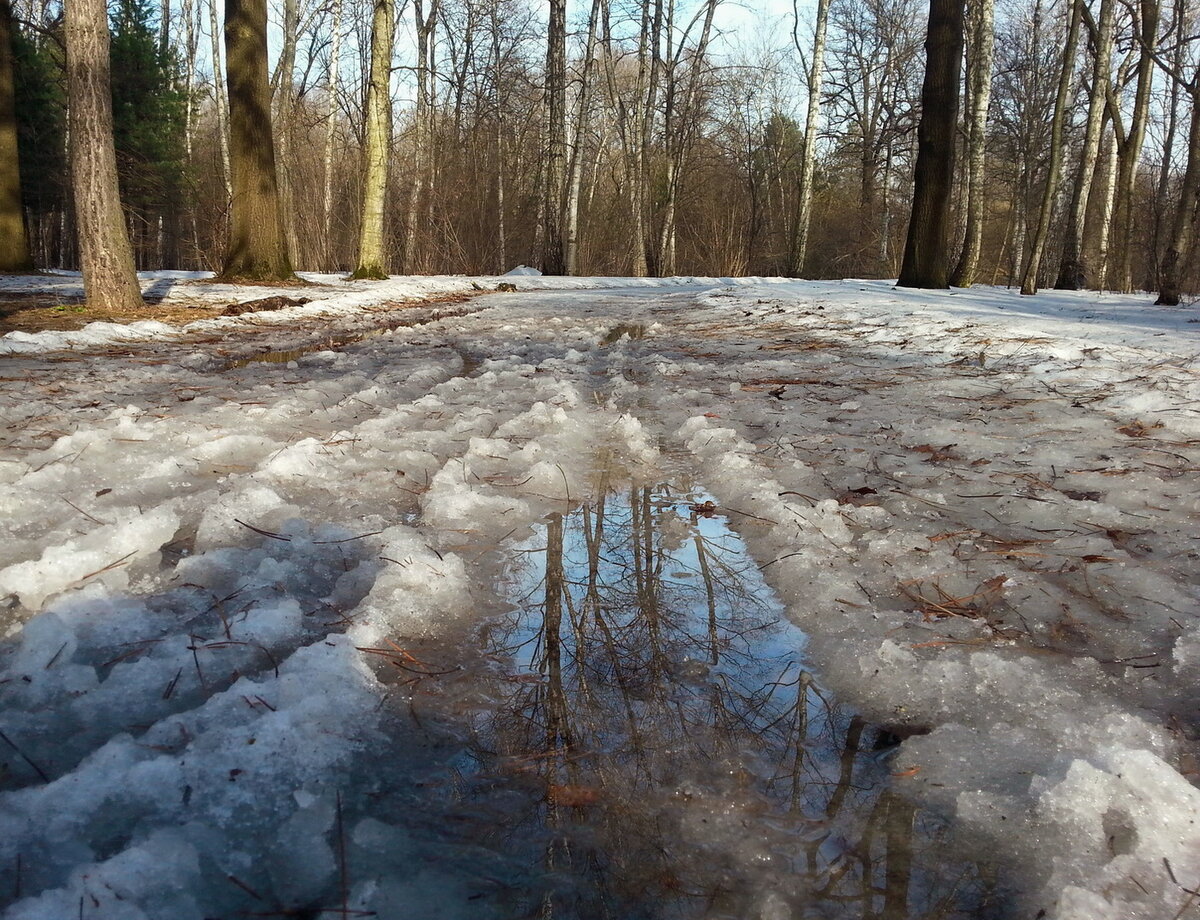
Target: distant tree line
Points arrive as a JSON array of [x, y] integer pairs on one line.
[[1037, 142]]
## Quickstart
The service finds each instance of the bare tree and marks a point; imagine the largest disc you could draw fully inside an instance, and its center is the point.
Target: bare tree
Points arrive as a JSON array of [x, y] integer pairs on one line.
[[422, 126], [981, 17], [14, 242], [1129, 141], [575, 164], [554, 253], [257, 244], [1072, 271], [1029, 281], [808, 156], [926, 253], [106, 258], [371, 258], [331, 101]]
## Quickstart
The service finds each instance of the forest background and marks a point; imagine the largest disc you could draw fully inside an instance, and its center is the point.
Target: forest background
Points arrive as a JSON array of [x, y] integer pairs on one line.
[[700, 138]]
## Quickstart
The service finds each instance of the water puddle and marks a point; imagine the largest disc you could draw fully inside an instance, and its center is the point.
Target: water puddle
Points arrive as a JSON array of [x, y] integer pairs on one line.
[[621, 330], [648, 742]]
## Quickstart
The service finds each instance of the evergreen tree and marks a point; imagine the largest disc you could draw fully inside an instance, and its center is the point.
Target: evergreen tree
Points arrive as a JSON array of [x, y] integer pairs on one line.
[[41, 108], [149, 113]]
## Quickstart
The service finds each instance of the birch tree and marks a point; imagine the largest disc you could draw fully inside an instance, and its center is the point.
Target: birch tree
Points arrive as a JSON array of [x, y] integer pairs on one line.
[[371, 258], [220, 102], [808, 155], [105, 256], [331, 100], [981, 19], [1029, 279], [1130, 140], [575, 164], [1073, 270]]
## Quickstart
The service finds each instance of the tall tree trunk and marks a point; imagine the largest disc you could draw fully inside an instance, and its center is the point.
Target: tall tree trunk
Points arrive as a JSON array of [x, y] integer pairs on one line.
[[109, 278], [498, 138], [371, 258], [554, 255], [1184, 226], [190, 14], [257, 245], [1130, 152], [678, 131], [979, 80], [575, 166], [285, 110], [798, 250], [422, 124], [331, 94], [14, 242], [1099, 231], [1162, 191], [926, 252], [220, 103], [1072, 269], [1029, 280]]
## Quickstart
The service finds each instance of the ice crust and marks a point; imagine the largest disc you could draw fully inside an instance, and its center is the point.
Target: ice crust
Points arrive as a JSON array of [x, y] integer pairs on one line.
[[191, 561]]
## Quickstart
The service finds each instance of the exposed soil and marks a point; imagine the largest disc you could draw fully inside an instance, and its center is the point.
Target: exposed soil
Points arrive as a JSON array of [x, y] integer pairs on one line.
[[37, 312], [49, 311]]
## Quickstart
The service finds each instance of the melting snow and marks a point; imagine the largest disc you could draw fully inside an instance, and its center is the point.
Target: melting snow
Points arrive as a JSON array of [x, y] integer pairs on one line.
[[981, 509]]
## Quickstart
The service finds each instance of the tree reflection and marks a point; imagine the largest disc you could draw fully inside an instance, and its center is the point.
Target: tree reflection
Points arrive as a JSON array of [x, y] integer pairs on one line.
[[680, 759]]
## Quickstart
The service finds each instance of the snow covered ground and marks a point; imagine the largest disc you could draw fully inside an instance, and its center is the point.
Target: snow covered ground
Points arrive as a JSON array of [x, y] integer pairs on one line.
[[981, 509]]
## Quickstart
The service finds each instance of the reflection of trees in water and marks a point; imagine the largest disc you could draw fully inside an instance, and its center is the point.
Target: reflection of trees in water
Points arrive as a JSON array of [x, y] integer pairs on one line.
[[684, 762]]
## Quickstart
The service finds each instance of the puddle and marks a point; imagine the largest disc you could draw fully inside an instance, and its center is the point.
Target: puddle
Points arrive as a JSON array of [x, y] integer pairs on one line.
[[648, 742], [621, 330]]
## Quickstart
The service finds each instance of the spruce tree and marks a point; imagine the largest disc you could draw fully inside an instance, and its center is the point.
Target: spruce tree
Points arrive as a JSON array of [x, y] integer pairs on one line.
[[149, 113]]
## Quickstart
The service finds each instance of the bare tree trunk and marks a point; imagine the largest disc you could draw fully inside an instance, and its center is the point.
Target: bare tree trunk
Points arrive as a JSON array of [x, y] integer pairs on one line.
[[371, 258], [678, 131], [1130, 152], [191, 40], [109, 279], [979, 79], [331, 94], [926, 255], [575, 166], [220, 103], [1184, 226], [643, 93], [501, 222], [1029, 281], [1101, 233], [1179, 18], [257, 244], [1073, 270], [14, 242], [285, 110], [421, 128], [808, 156], [554, 256]]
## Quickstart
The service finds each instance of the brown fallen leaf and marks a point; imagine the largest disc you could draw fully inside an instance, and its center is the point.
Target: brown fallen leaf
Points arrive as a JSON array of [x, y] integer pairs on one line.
[[572, 796]]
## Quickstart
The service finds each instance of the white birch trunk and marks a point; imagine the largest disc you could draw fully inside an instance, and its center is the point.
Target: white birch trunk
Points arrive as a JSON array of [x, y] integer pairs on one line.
[[1073, 270], [808, 156]]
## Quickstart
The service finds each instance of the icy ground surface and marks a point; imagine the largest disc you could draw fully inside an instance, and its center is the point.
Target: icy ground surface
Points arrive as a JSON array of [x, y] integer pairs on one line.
[[282, 633]]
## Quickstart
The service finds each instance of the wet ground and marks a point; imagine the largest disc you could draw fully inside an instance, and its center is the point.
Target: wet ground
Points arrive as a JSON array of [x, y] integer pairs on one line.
[[641, 737], [631, 724]]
